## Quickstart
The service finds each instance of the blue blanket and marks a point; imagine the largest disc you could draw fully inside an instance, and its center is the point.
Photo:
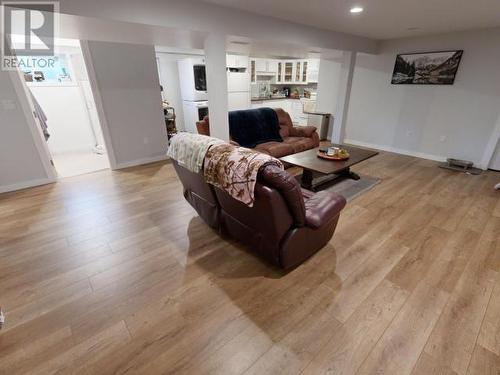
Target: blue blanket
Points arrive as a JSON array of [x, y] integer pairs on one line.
[[251, 127]]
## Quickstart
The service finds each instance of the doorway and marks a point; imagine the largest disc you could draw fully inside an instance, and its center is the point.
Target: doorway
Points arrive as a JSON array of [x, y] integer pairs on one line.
[[65, 107]]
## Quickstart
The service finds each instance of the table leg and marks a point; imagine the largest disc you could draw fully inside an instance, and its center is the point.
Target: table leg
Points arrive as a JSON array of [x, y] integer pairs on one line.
[[307, 179], [347, 173]]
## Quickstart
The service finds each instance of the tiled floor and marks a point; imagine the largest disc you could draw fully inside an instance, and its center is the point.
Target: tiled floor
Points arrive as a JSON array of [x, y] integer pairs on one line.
[[76, 163]]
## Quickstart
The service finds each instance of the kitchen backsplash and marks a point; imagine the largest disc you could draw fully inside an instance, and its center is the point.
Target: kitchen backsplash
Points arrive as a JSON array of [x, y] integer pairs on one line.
[[265, 89]]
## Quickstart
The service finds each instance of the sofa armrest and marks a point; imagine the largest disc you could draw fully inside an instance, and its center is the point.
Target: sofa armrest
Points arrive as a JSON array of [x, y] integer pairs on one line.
[[302, 131], [323, 207]]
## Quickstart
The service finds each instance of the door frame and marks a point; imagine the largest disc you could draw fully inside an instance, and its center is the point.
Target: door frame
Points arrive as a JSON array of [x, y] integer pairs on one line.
[[27, 106], [88, 61]]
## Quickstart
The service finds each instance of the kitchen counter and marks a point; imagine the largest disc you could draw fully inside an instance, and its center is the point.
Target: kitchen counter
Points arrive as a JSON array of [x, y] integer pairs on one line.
[[284, 98]]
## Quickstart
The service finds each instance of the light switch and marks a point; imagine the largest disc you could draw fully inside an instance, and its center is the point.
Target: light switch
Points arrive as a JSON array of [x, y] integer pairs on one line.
[[8, 104]]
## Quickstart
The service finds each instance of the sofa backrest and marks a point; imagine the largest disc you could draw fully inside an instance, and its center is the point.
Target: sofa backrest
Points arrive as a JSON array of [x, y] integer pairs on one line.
[[284, 121]]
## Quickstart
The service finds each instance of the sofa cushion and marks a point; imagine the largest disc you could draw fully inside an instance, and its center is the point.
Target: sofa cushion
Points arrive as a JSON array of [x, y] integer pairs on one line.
[[276, 149], [251, 127], [299, 144], [302, 131]]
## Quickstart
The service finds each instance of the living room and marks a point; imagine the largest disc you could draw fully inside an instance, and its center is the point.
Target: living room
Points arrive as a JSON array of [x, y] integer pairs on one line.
[[256, 242]]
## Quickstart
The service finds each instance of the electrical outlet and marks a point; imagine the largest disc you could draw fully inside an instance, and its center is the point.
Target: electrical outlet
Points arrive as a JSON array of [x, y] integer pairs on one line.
[[442, 138], [146, 140], [409, 133]]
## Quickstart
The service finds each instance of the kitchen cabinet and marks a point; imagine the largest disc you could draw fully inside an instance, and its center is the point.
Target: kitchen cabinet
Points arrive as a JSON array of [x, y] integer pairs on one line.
[[253, 71], [272, 66], [298, 71], [294, 107], [261, 65], [292, 71], [236, 61], [285, 71], [312, 70], [288, 71], [279, 72], [303, 76], [266, 66]]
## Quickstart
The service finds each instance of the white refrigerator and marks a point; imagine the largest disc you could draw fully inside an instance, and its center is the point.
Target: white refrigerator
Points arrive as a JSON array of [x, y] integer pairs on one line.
[[238, 89]]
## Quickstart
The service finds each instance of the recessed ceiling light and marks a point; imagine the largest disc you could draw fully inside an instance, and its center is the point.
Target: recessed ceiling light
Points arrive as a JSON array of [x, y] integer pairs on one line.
[[356, 9]]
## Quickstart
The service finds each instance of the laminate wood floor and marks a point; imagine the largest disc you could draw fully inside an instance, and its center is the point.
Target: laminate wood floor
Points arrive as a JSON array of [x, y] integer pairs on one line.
[[113, 272]]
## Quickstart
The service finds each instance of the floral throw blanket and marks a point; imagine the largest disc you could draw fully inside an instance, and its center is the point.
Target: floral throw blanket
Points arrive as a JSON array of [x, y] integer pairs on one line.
[[189, 149], [234, 170]]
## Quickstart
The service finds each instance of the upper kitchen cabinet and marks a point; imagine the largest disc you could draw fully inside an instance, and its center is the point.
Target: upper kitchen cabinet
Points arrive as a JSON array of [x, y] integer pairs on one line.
[[288, 72], [298, 71], [253, 71], [312, 70], [260, 65], [292, 72], [279, 72], [301, 67], [236, 61], [285, 71], [266, 67], [303, 75]]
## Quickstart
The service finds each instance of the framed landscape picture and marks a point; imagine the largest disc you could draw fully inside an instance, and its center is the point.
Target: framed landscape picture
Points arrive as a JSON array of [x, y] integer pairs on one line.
[[428, 68]]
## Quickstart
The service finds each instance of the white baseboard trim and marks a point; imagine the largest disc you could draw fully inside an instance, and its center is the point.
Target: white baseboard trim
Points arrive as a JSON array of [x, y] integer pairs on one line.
[[396, 150], [137, 162], [26, 184]]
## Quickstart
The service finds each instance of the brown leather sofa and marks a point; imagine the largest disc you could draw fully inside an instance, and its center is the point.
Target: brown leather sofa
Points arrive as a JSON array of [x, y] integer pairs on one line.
[[286, 224], [295, 138]]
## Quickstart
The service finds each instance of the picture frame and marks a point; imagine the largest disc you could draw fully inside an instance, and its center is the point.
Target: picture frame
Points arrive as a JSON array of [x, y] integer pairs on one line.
[[426, 68]]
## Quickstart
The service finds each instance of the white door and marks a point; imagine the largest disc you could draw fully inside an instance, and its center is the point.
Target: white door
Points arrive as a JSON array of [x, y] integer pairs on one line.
[[495, 160]]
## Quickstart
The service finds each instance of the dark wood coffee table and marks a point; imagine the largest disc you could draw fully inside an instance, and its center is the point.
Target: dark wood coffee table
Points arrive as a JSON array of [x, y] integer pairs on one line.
[[320, 173]]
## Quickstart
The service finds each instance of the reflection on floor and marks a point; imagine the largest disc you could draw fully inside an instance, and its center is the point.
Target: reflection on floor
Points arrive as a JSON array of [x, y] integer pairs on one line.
[[75, 163]]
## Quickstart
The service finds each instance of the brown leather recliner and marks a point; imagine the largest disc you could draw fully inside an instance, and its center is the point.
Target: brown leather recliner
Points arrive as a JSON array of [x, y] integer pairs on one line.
[[286, 224], [295, 138]]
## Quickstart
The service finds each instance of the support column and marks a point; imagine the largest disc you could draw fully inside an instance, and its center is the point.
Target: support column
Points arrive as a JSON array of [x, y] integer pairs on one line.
[[343, 96], [328, 83], [215, 54]]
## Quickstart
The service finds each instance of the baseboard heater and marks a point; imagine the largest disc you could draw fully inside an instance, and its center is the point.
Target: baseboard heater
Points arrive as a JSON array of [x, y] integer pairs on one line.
[[460, 166]]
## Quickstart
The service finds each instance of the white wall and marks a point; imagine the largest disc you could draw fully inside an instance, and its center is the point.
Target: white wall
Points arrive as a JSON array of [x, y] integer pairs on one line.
[[67, 117], [169, 77], [20, 163], [430, 121], [127, 79]]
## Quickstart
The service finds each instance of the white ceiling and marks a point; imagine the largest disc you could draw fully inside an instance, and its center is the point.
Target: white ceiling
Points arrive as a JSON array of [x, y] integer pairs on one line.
[[381, 19]]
